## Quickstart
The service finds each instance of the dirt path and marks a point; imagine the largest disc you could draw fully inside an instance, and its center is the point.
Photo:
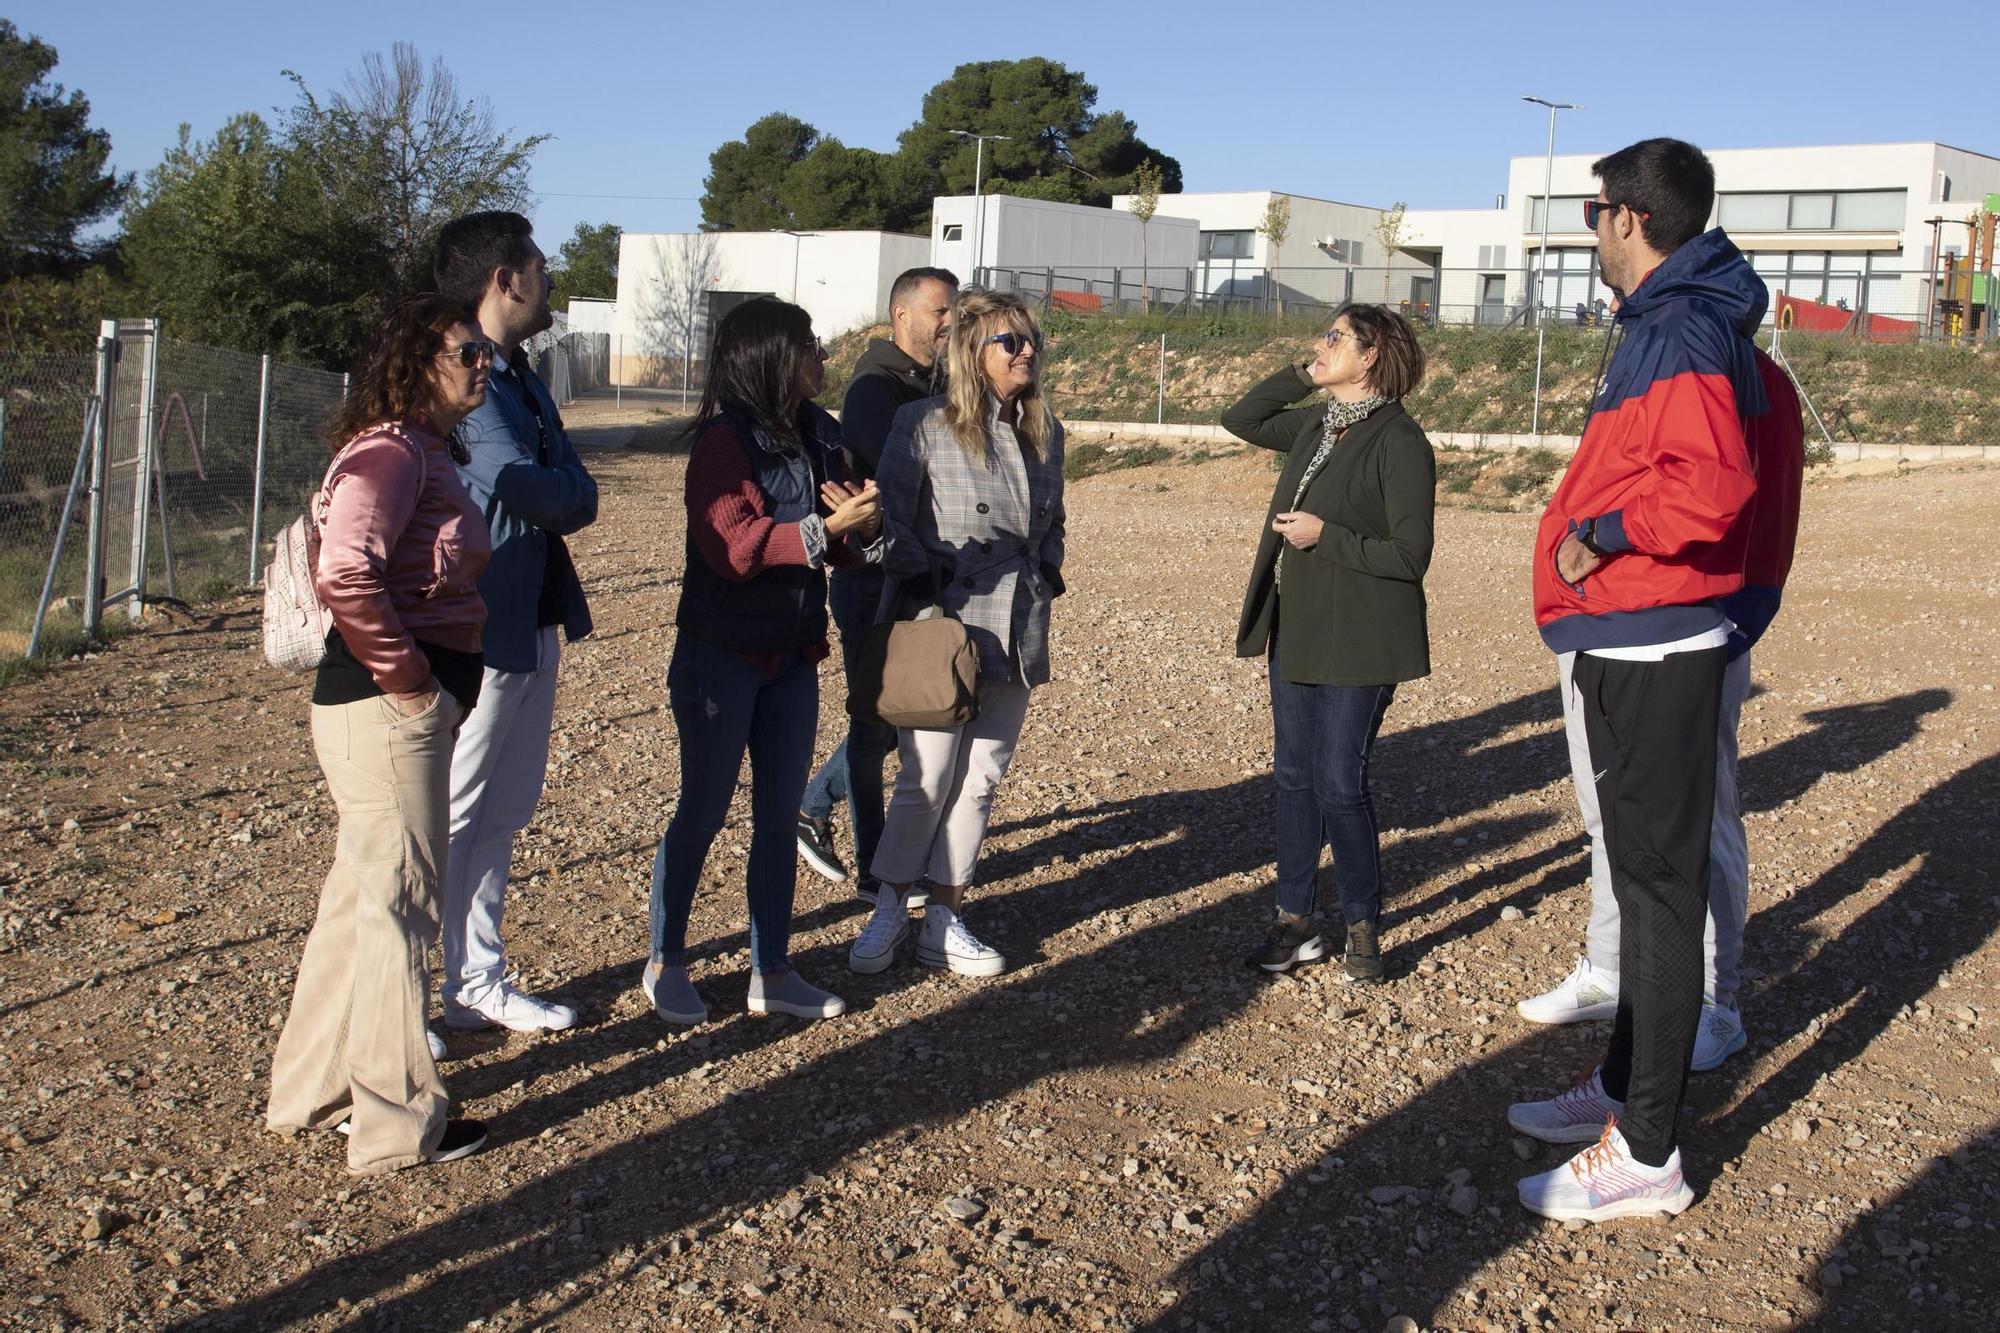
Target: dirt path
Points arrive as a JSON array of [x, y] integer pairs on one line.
[[1151, 1135]]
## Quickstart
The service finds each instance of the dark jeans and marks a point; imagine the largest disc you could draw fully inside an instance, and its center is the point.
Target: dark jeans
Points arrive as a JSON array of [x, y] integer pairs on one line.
[[722, 706], [1324, 734], [853, 772], [1652, 741]]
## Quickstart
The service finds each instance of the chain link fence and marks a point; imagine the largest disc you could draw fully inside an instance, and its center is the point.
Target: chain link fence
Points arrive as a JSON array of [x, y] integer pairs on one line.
[[1904, 399]]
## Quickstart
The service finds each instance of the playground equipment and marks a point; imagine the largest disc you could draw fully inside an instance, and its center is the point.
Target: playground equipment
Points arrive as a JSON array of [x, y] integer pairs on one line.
[[1966, 288]]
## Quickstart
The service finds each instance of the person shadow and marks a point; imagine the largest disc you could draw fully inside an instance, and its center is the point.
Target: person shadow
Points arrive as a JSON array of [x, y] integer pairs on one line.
[[1316, 1248], [1138, 1002]]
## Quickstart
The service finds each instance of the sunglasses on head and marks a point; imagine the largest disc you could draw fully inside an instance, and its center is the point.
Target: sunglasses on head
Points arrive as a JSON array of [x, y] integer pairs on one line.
[[1593, 209], [471, 352], [1012, 342]]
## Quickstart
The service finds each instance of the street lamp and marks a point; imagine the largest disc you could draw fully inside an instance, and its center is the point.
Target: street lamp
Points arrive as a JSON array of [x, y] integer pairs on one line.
[[978, 212], [1542, 259]]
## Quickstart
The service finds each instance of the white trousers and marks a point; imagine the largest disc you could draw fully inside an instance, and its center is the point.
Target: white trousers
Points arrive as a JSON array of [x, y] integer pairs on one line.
[[496, 782], [937, 815], [1728, 849]]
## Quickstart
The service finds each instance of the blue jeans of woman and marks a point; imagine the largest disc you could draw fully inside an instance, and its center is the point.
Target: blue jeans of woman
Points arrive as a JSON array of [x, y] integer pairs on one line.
[[853, 772], [723, 705], [1324, 734]]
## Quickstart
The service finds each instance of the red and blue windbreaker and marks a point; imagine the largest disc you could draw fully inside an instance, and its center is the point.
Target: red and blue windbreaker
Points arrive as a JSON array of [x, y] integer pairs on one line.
[[1662, 466], [1777, 444]]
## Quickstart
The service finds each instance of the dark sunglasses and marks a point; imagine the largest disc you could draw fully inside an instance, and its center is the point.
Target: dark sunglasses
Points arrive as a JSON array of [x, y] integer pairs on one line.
[[1012, 342], [1593, 209], [471, 352], [818, 348], [1333, 337]]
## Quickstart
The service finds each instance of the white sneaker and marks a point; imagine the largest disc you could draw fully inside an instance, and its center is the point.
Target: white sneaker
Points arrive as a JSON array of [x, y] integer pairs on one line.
[[508, 1006], [888, 926], [436, 1043], [945, 942], [1604, 1181], [1719, 1037], [674, 997], [917, 895], [1584, 994], [1575, 1116], [790, 993]]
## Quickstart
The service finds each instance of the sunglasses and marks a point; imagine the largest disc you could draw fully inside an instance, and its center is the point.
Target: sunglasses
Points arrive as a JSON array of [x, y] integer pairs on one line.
[[818, 348], [471, 352], [1012, 343], [1593, 209], [1333, 337]]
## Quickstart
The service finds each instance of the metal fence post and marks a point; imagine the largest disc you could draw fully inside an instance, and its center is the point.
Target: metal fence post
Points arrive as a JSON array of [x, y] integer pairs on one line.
[[257, 486], [1160, 414], [142, 475], [100, 465]]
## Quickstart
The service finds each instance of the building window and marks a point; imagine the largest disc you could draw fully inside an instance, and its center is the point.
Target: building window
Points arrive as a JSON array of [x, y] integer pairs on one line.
[[1869, 210], [1812, 210], [1568, 214], [1225, 244], [954, 231]]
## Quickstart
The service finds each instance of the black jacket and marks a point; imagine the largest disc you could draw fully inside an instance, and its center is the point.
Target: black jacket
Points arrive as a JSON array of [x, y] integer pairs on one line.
[[885, 378], [1353, 604]]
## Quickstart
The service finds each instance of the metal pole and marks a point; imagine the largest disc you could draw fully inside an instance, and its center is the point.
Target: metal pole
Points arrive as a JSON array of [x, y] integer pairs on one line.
[[142, 475], [100, 466], [257, 487], [83, 451], [978, 213], [1160, 415], [1542, 277]]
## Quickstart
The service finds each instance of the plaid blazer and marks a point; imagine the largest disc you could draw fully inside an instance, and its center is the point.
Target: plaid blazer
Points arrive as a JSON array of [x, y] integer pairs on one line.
[[992, 531]]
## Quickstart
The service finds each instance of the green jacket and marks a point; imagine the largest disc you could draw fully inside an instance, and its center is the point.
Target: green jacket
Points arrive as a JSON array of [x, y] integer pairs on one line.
[[1354, 603]]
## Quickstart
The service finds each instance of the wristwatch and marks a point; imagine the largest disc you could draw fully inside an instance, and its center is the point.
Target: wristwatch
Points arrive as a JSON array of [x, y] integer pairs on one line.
[[1586, 536]]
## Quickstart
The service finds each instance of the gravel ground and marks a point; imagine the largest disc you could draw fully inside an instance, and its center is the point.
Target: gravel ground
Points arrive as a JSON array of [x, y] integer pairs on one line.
[[1128, 1129]]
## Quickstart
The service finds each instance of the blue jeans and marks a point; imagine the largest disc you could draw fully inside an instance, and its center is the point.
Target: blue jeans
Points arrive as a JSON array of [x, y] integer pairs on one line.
[[722, 706], [853, 772], [1324, 734]]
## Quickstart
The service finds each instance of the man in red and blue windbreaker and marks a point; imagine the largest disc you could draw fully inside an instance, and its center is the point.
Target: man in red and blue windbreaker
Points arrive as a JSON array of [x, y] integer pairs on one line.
[[1637, 550]]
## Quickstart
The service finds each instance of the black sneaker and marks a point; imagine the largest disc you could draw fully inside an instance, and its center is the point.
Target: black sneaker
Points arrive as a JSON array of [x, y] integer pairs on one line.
[[461, 1138], [816, 846], [1363, 961], [1293, 940], [866, 887]]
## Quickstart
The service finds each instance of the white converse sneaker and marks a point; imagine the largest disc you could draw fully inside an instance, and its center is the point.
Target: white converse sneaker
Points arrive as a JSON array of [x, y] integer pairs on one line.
[[507, 1005], [436, 1044], [1719, 1037], [1584, 994], [888, 926], [1604, 1181], [945, 942], [1572, 1117]]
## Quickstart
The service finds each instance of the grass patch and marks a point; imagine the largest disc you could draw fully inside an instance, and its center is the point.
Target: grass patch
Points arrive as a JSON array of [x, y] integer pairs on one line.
[[1090, 458]]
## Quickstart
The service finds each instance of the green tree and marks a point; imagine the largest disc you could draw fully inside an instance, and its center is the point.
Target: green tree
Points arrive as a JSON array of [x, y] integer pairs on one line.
[[745, 188], [587, 264], [292, 239], [1389, 232], [1145, 203], [1277, 225], [53, 178], [1058, 146]]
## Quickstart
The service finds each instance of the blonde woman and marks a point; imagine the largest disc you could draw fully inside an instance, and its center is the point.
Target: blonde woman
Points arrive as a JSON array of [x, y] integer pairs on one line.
[[972, 501]]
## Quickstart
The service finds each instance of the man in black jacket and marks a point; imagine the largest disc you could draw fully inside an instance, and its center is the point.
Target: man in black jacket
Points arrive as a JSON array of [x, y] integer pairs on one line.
[[890, 374]]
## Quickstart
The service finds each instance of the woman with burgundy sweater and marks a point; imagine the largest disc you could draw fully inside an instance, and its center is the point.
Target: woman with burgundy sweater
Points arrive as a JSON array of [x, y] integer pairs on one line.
[[401, 546], [769, 508]]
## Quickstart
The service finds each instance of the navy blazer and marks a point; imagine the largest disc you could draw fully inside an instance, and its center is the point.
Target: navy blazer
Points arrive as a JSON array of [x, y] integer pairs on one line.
[[523, 501]]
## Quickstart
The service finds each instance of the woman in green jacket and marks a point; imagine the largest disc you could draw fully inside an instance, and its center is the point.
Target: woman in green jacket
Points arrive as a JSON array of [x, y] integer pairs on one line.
[[1336, 604]]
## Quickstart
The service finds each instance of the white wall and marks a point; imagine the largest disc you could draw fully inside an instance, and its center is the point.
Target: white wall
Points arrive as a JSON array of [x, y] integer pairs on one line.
[[592, 315], [842, 278], [1037, 234]]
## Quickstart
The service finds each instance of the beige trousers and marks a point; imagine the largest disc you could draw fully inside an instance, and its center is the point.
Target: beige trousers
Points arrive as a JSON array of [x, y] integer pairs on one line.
[[354, 1046], [937, 815]]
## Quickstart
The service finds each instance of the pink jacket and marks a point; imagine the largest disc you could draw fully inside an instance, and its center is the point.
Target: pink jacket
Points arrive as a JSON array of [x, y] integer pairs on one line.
[[401, 547]]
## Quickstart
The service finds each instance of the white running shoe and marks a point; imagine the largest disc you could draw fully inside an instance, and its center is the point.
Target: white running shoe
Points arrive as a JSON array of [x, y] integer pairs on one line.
[[1719, 1037], [888, 926], [1584, 994], [507, 1005], [436, 1044], [1605, 1181], [945, 942], [1575, 1116]]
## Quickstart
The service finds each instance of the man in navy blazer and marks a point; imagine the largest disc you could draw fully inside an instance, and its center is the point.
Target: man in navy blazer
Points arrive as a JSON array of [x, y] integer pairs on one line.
[[528, 481]]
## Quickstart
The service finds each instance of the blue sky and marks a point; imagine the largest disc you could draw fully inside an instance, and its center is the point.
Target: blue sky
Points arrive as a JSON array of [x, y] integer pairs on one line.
[[1369, 103]]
